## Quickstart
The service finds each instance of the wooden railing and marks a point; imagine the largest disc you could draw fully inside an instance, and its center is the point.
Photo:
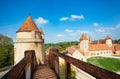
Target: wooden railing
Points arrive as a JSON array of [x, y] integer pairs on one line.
[[97, 72], [24, 69]]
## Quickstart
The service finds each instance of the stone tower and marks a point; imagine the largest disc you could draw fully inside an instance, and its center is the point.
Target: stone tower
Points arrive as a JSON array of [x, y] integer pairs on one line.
[[29, 37], [108, 41], [84, 43]]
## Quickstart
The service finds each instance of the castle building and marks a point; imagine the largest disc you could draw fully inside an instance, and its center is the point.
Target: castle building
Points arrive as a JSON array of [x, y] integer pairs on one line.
[[29, 37], [88, 49]]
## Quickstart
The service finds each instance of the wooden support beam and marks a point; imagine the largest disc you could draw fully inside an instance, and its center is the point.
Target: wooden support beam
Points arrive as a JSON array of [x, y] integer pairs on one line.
[[67, 70]]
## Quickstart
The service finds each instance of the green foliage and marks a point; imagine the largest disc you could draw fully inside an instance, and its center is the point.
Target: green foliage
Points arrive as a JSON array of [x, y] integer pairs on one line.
[[63, 45], [4, 40], [73, 73], [111, 64], [62, 72], [117, 41], [6, 51]]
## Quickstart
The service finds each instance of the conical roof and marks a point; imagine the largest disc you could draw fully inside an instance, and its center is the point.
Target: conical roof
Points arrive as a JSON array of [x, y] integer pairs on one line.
[[28, 25], [83, 37], [41, 31], [107, 38]]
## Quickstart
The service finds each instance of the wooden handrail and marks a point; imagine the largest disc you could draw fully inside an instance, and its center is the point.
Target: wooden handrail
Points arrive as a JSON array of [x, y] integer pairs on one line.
[[95, 71], [53, 62], [19, 71]]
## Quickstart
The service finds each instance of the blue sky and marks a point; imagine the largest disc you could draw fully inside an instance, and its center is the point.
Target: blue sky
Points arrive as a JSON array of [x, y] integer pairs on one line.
[[63, 20]]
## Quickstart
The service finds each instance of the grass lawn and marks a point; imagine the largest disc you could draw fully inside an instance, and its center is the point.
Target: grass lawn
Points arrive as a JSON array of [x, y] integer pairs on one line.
[[111, 64]]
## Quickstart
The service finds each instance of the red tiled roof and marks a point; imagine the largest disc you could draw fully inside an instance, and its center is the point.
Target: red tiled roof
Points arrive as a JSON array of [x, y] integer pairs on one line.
[[80, 50], [83, 37], [28, 25], [41, 31], [101, 41], [93, 47], [107, 38], [71, 49], [117, 47]]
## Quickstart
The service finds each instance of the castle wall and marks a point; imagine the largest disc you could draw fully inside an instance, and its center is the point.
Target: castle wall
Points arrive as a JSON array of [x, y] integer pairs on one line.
[[24, 35], [109, 42], [28, 41], [117, 52], [84, 45], [19, 49], [79, 56], [100, 53]]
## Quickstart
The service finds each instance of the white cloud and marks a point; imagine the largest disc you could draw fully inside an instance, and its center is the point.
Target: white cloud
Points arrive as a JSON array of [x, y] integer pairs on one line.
[[100, 30], [95, 24], [60, 35], [111, 28], [77, 33], [74, 17], [64, 18], [40, 20], [106, 33], [68, 30], [118, 26]]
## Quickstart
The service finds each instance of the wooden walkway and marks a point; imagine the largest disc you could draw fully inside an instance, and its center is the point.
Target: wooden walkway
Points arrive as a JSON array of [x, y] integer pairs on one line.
[[44, 72]]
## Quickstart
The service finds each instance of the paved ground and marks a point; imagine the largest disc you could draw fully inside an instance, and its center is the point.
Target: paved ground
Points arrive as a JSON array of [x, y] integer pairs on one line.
[[44, 72]]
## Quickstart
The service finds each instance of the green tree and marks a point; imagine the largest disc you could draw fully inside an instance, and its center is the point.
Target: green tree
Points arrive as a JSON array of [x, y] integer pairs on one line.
[[62, 72], [6, 51], [63, 45]]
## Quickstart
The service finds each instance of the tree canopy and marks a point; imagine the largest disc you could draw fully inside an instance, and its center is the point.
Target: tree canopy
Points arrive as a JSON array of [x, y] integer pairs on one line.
[[61, 45], [6, 51]]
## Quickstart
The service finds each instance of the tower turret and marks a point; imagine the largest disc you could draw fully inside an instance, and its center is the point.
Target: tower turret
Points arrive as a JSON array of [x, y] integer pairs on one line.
[[84, 43], [108, 41], [28, 37], [42, 33]]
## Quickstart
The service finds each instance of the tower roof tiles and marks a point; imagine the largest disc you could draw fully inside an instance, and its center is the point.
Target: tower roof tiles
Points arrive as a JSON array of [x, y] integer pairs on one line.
[[107, 38], [83, 37], [41, 31], [28, 25]]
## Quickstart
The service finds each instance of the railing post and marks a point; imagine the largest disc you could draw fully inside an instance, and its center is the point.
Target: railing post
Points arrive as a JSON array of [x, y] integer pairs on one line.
[[67, 70], [56, 65], [28, 68], [24, 68], [33, 61], [54, 62]]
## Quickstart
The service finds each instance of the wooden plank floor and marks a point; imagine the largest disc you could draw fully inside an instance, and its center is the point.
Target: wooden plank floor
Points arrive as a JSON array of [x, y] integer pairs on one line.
[[44, 72]]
